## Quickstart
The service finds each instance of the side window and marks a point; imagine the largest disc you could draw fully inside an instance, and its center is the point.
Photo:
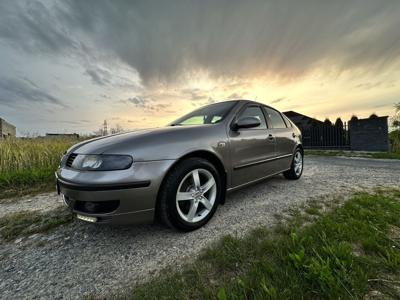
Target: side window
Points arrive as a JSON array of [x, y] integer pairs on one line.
[[275, 118], [288, 123], [256, 112]]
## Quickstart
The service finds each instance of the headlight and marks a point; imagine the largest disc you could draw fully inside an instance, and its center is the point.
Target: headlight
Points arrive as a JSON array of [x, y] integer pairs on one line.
[[102, 162]]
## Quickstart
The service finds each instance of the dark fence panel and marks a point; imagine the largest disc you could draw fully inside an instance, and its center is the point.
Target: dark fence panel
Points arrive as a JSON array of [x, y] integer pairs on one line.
[[326, 137]]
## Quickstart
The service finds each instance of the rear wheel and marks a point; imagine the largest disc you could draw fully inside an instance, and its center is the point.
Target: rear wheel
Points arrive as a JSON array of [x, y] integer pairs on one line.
[[190, 194], [296, 168]]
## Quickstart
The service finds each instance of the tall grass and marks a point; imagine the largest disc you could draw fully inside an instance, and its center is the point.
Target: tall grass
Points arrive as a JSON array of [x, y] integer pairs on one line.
[[29, 162]]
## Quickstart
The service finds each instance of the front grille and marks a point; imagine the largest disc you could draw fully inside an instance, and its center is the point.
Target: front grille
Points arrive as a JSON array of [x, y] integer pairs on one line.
[[70, 159]]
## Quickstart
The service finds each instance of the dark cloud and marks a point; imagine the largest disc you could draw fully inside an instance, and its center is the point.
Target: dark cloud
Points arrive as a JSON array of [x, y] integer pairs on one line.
[[234, 39], [137, 101], [33, 26], [104, 77], [99, 76], [146, 103], [14, 92], [241, 38], [277, 100]]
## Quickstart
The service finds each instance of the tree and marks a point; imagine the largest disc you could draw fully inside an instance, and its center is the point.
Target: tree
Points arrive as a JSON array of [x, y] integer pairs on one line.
[[339, 122], [354, 118], [117, 129], [395, 134], [396, 117], [328, 122]]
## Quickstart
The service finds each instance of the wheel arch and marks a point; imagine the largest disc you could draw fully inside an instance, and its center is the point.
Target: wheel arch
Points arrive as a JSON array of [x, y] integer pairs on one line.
[[207, 155], [299, 146]]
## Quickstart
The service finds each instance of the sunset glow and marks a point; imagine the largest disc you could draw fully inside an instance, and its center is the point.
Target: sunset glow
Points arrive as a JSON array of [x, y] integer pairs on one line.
[[69, 65]]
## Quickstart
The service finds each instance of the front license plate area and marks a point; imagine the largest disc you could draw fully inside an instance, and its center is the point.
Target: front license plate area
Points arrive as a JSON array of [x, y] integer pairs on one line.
[[86, 218]]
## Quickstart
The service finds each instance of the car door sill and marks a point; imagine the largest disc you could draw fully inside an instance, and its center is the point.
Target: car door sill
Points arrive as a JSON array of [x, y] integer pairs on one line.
[[254, 181], [261, 161]]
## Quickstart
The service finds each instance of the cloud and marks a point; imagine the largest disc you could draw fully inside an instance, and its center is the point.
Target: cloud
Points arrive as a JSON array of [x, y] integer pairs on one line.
[[231, 39], [104, 77], [32, 26], [99, 76], [277, 100], [137, 101], [22, 91], [193, 94], [235, 96]]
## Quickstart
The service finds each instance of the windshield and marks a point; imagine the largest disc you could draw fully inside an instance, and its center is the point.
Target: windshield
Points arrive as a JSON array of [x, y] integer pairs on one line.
[[210, 114]]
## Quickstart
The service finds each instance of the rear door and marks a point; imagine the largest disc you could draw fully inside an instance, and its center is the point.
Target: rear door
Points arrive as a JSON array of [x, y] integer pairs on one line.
[[284, 136], [251, 148]]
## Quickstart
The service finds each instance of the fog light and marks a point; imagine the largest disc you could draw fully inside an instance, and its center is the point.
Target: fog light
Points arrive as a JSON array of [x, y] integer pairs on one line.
[[87, 219]]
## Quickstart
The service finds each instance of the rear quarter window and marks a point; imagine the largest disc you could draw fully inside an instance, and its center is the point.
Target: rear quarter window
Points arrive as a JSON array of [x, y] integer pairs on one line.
[[275, 118]]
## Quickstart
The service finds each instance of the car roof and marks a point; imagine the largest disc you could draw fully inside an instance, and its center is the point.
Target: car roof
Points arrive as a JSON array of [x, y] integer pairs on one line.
[[249, 101]]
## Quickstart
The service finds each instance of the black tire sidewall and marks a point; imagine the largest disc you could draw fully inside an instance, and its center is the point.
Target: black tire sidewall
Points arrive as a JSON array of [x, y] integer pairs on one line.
[[291, 174], [171, 187]]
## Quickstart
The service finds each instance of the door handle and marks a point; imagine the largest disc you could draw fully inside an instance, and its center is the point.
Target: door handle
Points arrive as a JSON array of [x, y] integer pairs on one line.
[[270, 137]]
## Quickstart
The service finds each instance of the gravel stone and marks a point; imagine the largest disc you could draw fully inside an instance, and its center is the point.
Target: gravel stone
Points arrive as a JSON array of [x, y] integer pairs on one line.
[[42, 202], [80, 259]]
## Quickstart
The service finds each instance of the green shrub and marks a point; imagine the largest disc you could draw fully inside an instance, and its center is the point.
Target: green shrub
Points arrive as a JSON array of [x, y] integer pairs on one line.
[[394, 137]]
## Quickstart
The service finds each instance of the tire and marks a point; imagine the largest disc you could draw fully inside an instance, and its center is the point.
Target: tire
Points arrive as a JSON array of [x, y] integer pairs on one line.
[[196, 204], [296, 168]]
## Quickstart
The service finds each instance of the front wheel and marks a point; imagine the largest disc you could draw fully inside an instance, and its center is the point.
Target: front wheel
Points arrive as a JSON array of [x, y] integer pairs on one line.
[[190, 194], [296, 168]]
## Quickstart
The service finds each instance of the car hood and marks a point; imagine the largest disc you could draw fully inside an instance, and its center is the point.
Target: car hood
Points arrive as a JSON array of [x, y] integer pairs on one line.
[[153, 144]]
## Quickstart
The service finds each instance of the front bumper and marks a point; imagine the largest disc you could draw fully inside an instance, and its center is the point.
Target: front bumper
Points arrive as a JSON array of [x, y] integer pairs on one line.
[[116, 197]]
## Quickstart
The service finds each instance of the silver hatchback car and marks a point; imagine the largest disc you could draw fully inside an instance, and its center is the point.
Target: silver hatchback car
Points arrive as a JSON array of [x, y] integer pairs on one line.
[[179, 173]]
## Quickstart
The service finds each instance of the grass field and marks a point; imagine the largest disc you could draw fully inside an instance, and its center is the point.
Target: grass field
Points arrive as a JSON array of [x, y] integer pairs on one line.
[[349, 251], [28, 165], [380, 155]]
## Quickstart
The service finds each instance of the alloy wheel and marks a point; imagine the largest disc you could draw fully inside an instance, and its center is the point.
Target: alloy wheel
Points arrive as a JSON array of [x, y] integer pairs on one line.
[[298, 163], [196, 195]]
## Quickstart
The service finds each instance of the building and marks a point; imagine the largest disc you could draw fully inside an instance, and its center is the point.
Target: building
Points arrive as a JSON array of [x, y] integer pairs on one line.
[[302, 121], [62, 135], [371, 134], [7, 130]]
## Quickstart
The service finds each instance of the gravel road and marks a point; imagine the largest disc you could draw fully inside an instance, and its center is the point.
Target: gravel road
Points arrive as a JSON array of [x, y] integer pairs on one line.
[[80, 258], [42, 202]]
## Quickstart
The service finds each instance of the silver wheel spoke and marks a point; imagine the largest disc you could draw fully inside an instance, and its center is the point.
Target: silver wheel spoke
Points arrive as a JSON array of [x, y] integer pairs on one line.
[[196, 178], [207, 204], [191, 191], [184, 196], [192, 211], [209, 184], [298, 163]]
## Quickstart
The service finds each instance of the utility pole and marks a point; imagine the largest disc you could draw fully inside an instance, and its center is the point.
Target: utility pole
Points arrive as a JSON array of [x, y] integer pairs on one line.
[[105, 130]]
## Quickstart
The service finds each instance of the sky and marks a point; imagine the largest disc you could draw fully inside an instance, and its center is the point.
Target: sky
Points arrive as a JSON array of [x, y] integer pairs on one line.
[[66, 66]]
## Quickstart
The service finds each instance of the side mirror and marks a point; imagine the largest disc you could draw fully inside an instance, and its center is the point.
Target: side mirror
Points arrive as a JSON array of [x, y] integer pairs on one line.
[[247, 122]]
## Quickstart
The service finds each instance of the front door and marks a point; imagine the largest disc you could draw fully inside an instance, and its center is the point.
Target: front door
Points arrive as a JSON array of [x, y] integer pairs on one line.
[[252, 149]]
